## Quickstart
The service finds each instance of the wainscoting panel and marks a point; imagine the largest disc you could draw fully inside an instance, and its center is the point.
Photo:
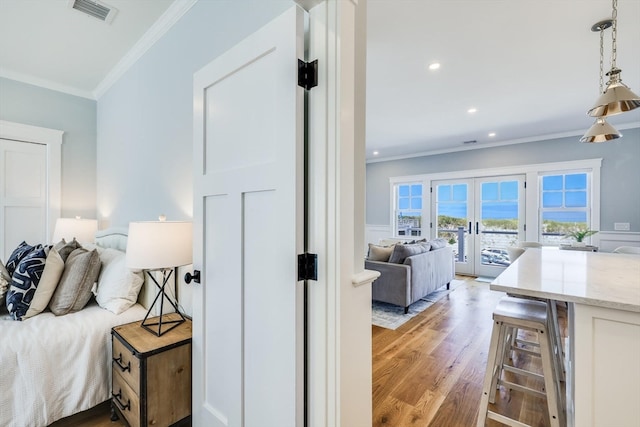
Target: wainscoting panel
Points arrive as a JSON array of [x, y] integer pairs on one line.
[[609, 240], [373, 233]]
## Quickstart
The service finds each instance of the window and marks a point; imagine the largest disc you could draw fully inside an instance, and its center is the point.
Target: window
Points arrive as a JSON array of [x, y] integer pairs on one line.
[[408, 209], [565, 205]]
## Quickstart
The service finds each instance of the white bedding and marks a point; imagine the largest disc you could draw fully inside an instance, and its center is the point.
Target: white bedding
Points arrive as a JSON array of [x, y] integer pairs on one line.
[[55, 366]]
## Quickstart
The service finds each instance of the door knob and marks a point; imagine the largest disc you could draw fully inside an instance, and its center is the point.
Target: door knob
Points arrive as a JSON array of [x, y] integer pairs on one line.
[[195, 276]]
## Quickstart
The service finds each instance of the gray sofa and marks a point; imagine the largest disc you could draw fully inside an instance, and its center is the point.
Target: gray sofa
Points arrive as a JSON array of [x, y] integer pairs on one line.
[[418, 276]]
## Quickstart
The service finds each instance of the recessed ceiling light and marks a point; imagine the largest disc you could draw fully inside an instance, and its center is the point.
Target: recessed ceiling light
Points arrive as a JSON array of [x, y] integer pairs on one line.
[[492, 134], [434, 66], [375, 153], [472, 110]]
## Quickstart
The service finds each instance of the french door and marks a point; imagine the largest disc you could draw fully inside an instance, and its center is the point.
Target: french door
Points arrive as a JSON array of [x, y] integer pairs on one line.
[[480, 218]]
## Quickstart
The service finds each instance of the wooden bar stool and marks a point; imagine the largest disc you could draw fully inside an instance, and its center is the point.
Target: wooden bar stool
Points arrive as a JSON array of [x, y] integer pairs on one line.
[[554, 330], [510, 315]]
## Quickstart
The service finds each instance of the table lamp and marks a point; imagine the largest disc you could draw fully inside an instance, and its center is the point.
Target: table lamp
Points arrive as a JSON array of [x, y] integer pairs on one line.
[[83, 230], [160, 246]]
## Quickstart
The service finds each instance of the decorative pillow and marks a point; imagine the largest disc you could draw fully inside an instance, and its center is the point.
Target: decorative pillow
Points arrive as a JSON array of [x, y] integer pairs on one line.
[[438, 243], [3, 272], [5, 280], [25, 280], [20, 252], [81, 270], [426, 245], [118, 286], [401, 252], [4, 285], [379, 253], [53, 268], [64, 248]]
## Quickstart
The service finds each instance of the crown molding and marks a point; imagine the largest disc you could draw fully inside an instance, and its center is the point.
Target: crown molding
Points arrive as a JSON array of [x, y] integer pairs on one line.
[[47, 84], [161, 26], [536, 138]]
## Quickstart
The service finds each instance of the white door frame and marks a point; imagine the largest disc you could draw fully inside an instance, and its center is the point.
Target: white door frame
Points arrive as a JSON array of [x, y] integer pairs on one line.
[[339, 321], [52, 138]]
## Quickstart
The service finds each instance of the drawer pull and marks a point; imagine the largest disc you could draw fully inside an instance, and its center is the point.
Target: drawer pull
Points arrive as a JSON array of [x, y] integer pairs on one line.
[[121, 405], [122, 367]]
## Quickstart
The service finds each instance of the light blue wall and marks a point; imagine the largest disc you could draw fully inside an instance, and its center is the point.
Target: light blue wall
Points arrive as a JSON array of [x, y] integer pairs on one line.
[[145, 120], [620, 173], [76, 116]]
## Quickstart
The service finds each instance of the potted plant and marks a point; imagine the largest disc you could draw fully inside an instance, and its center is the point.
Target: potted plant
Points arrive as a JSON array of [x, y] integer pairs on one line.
[[580, 235]]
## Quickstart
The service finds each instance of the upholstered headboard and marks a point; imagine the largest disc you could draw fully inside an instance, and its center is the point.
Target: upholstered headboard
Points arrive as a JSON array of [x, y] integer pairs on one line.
[[114, 238]]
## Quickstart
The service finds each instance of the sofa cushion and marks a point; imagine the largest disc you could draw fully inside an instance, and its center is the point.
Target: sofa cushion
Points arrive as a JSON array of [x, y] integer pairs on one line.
[[401, 252], [379, 253]]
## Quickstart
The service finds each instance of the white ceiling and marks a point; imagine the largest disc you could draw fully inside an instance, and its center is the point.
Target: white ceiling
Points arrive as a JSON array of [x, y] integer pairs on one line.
[[530, 67]]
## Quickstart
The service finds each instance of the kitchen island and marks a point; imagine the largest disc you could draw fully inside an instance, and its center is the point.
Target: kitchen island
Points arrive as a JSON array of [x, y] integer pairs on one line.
[[603, 352]]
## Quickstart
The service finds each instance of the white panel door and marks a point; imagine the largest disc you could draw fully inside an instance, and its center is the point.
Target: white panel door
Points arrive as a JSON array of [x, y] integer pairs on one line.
[[248, 229], [23, 195]]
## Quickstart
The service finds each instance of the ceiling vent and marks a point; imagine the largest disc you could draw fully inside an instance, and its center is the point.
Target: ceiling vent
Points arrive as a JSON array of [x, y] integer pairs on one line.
[[95, 9]]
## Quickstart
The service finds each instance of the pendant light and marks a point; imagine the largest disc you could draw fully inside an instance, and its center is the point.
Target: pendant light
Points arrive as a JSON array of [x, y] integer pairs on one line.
[[617, 97], [601, 131]]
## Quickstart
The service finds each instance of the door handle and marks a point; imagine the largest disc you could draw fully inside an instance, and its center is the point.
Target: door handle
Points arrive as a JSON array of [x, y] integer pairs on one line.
[[476, 227], [195, 276], [469, 227]]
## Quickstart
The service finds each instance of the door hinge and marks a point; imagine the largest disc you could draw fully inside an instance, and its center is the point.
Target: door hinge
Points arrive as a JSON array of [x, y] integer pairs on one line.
[[308, 266], [307, 74], [525, 184], [525, 227]]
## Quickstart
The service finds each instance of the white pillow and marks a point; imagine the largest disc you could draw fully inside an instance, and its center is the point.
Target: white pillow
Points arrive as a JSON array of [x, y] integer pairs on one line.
[[118, 286], [53, 268]]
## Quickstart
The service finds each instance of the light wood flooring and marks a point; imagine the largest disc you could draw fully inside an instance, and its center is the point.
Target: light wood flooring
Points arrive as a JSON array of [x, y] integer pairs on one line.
[[428, 372]]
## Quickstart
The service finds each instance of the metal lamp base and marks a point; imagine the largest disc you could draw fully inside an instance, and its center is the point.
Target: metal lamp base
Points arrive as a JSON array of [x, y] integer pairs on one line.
[[156, 325]]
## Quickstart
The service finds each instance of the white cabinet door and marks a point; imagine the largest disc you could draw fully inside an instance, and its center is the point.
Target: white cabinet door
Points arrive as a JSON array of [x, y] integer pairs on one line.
[[23, 194], [248, 230]]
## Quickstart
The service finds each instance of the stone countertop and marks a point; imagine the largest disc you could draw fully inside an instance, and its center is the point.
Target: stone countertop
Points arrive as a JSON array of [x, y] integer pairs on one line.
[[593, 278]]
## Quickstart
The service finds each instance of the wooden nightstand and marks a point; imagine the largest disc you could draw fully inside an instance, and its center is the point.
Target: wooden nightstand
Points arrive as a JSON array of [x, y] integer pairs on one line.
[[151, 384]]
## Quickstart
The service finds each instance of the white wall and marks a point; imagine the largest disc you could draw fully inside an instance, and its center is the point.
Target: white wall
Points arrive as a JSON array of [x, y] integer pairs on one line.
[[76, 117]]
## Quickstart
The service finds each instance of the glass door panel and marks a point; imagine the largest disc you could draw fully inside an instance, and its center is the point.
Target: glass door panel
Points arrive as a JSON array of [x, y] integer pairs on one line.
[[500, 210], [454, 212]]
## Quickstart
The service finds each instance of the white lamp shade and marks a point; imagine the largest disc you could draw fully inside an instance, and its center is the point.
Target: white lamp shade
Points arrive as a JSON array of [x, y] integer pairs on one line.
[[157, 245], [83, 230]]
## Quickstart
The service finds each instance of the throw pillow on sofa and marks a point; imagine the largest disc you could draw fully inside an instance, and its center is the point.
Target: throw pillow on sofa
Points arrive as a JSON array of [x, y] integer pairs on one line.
[[379, 253], [438, 243], [401, 252]]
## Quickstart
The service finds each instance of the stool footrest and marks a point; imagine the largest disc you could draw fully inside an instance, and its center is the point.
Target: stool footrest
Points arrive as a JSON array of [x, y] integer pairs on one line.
[[514, 386], [519, 371], [505, 420]]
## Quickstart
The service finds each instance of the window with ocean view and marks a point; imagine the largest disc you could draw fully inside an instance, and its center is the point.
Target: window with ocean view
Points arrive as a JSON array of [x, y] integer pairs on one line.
[[408, 209], [565, 205]]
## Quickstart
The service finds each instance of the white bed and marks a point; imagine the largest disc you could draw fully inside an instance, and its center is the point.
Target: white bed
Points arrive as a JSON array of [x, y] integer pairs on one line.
[[55, 366]]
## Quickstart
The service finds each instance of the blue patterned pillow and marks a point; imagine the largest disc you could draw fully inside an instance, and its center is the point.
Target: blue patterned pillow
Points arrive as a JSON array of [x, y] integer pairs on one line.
[[20, 252], [25, 280]]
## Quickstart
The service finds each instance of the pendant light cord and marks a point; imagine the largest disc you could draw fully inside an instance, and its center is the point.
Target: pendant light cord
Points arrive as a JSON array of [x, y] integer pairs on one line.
[[601, 60], [614, 34]]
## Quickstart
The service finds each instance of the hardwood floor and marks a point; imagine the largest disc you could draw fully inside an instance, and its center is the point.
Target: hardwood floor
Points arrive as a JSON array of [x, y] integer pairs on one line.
[[430, 371]]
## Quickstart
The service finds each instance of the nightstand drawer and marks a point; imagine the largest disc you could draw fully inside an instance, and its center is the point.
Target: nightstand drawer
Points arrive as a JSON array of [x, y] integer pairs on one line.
[[126, 364], [126, 399]]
